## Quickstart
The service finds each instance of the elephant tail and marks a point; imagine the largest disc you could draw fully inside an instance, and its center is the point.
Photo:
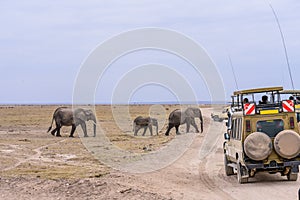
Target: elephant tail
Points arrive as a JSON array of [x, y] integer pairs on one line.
[[51, 125], [57, 109]]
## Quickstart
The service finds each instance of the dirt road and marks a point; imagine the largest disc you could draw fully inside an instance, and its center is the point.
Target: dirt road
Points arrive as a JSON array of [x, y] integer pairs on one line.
[[197, 174]]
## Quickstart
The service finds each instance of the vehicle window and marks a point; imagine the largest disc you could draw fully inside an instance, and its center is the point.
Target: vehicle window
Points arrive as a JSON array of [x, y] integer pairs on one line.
[[239, 129], [270, 127], [233, 128], [236, 128]]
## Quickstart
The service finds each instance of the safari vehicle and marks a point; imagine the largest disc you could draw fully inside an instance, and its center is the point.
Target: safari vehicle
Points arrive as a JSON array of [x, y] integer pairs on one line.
[[220, 116], [293, 95], [261, 136]]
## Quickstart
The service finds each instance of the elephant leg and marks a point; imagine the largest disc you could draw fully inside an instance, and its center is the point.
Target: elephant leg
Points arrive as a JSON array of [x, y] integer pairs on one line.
[[136, 130], [195, 125], [83, 126], [170, 126], [177, 129], [58, 126], [53, 131], [150, 128], [145, 129], [73, 130], [187, 127], [58, 131]]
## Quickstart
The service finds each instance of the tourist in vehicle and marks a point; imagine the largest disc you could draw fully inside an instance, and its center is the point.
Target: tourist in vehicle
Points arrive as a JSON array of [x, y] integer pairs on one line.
[[264, 100]]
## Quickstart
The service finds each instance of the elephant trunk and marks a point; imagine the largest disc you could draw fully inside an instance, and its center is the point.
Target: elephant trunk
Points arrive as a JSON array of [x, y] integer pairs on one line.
[[95, 129], [155, 123], [201, 122], [93, 118]]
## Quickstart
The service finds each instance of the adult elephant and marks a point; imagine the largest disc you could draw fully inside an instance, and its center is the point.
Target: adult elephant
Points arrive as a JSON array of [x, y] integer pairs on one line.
[[187, 116], [64, 116], [144, 122]]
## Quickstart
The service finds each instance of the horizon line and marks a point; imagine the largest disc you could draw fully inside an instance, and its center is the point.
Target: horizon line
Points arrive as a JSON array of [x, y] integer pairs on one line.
[[117, 103]]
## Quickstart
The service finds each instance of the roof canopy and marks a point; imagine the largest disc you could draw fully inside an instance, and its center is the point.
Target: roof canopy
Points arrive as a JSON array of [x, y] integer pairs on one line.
[[294, 92], [259, 90]]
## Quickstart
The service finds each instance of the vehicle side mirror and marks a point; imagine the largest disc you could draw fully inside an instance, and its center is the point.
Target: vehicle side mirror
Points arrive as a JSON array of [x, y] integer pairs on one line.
[[226, 136]]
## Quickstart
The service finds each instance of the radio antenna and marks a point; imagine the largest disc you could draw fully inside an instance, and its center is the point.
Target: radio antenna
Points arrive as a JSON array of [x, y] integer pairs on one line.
[[236, 84], [284, 46]]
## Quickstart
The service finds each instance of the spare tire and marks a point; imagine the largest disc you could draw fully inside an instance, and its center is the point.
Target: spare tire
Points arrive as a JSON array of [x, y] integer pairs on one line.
[[287, 144], [258, 146]]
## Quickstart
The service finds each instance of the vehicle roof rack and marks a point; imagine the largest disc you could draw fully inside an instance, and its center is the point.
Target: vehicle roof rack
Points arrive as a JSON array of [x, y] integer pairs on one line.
[[258, 90], [293, 92]]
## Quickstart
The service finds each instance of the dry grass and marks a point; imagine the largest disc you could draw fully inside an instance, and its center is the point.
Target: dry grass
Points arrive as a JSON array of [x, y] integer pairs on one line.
[[27, 150]]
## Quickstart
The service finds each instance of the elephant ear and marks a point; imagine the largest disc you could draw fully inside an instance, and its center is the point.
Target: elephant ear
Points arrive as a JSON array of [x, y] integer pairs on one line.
[[189, 112], [80, 114], [88, 113]]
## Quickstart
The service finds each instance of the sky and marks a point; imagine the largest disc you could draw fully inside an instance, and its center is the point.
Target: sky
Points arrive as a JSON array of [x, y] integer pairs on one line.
[[45, 44]]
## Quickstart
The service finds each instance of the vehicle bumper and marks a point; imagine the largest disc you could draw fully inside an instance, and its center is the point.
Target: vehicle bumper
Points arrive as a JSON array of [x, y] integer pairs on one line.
[[275, 166]]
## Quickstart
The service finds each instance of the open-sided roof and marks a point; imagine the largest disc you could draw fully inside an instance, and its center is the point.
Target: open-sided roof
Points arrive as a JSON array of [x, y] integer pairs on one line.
[[295, 92], [258, 90]]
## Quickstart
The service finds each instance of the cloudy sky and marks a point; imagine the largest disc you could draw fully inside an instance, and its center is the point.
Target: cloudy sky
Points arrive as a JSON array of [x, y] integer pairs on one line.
[[45, 43]]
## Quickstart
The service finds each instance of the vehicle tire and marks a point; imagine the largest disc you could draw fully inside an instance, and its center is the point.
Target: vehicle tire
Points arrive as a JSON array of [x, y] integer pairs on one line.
[[258, 146], [240, 173], [287, 144], [228, 170], [292, 176]]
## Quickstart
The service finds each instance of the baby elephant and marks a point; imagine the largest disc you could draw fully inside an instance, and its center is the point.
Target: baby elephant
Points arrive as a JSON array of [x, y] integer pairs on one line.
[[144, 122]]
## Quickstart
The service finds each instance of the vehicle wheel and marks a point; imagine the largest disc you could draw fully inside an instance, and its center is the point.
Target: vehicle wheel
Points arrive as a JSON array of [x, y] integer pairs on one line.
[[292, 176], [240, 177], [228, 170]]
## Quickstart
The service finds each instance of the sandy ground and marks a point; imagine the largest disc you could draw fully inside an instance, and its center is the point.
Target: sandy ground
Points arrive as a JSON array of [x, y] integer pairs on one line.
[[36, 165]]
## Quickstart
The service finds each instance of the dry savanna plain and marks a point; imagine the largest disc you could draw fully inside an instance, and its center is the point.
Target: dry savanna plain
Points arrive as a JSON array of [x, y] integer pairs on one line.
[[36, 165]]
